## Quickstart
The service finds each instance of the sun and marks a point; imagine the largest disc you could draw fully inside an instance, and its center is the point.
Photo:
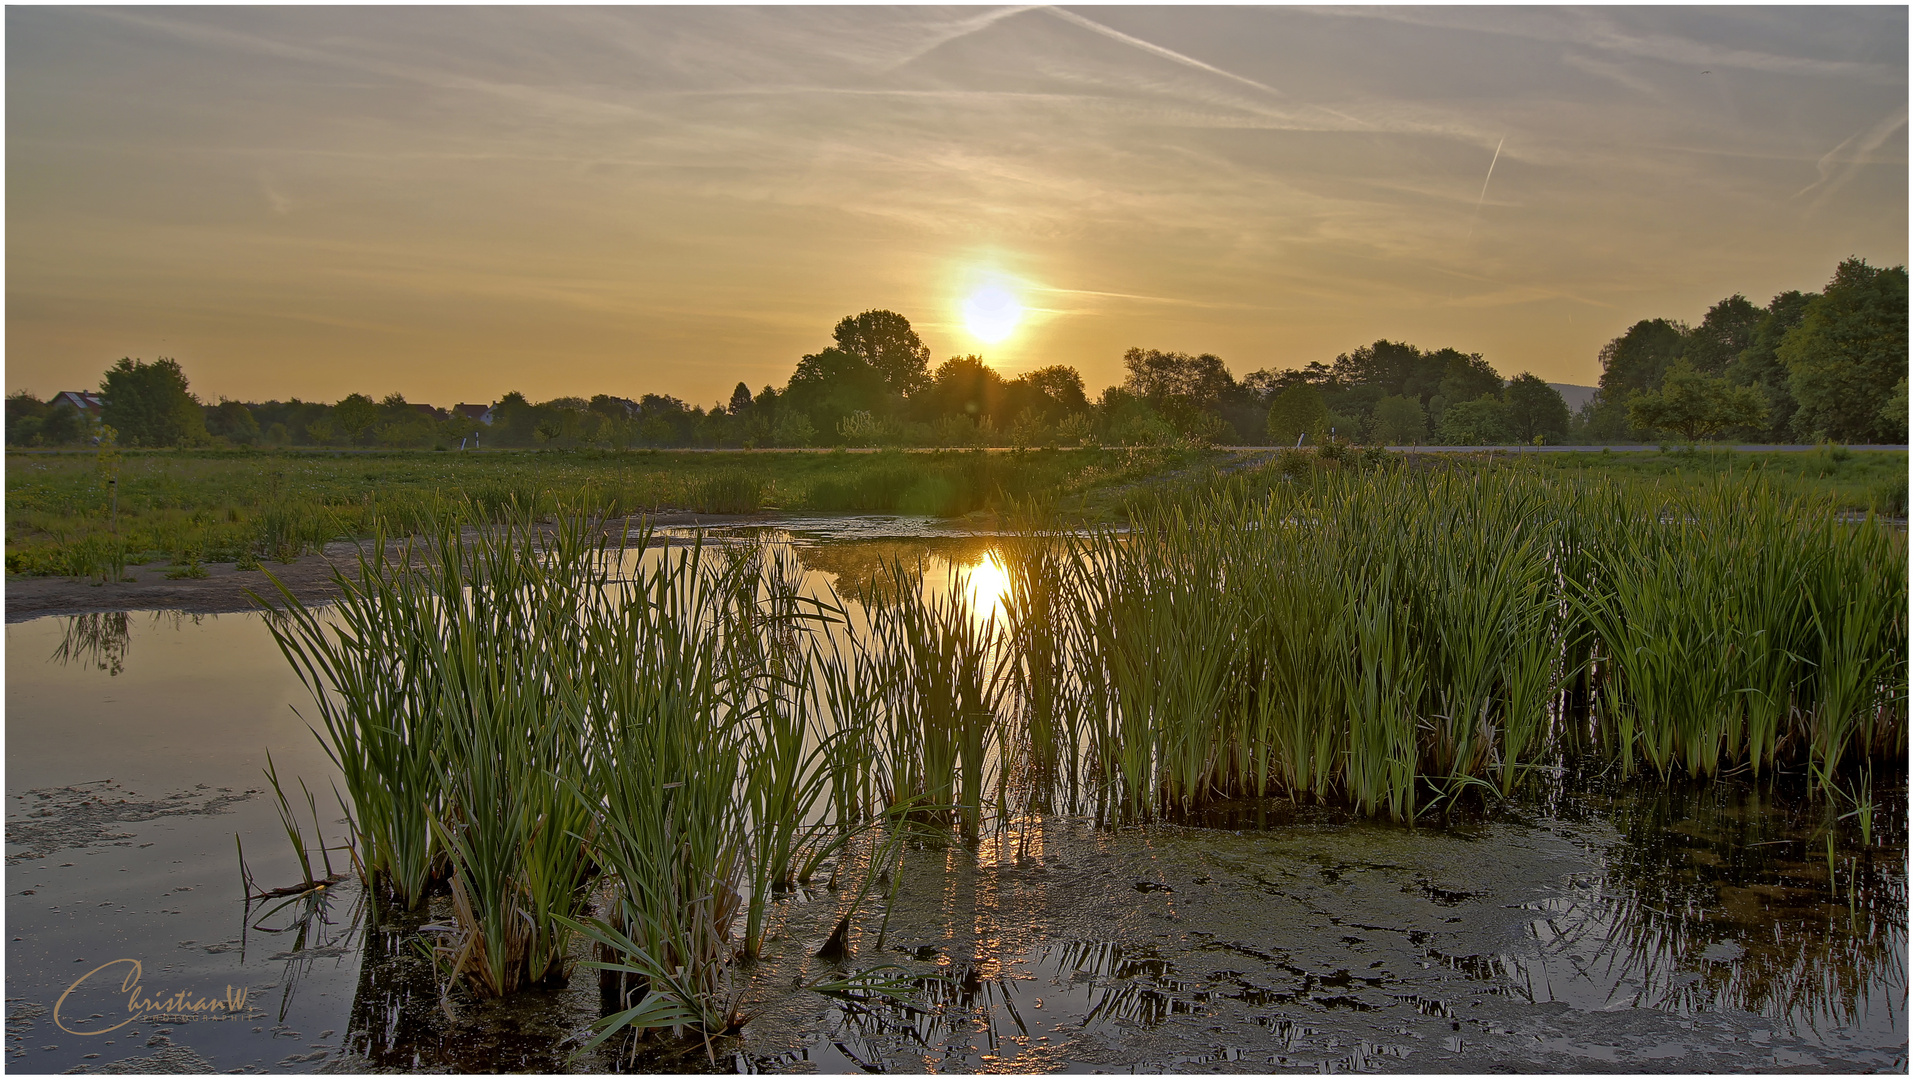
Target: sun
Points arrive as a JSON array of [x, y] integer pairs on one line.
[[991, 313]]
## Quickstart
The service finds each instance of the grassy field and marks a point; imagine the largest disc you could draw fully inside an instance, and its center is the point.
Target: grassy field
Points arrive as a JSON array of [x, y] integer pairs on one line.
[[188, 507], [1859, 480], [63, 517]]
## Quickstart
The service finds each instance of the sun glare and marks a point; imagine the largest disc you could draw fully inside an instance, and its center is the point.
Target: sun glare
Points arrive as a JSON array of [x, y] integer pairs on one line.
[[991, 313], [988, 585]]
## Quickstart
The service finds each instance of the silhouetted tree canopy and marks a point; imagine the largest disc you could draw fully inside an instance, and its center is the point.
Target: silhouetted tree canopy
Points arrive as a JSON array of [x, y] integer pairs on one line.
[[1062, 385], [1535, 409], [885, 341], [830, 385], [1636, 360], [1724, 334], [1165, 377], [150, 405], [1465, 376]]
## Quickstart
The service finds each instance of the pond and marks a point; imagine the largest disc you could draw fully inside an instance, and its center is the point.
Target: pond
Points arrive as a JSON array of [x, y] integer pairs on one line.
[[1605, 926]]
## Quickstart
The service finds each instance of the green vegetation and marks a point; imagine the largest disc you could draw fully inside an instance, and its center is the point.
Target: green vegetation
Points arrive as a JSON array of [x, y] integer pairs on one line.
[[645, 748], [524, 719], [1856, 481], [1696, 407], [149, 405], [64, 518], [1386, 638], [1821, 366], [235, 506]]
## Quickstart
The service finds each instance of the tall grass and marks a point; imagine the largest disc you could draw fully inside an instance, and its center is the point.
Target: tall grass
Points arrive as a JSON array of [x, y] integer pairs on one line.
[[1395, 640], [543, 721], [577, 736]]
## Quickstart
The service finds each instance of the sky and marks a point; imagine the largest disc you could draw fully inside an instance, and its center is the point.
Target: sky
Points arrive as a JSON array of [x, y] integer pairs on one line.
[[452, 203]]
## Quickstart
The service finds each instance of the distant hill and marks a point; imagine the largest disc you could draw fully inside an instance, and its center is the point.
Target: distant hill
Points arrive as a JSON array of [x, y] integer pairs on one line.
[[1576, 396]]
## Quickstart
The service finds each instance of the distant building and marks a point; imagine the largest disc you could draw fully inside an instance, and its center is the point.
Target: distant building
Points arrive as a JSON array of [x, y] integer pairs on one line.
[[481, 413], [427, 411], [88, 405]]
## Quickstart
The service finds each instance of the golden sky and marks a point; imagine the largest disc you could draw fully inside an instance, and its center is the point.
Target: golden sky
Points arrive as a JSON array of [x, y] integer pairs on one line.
[[457, 202]]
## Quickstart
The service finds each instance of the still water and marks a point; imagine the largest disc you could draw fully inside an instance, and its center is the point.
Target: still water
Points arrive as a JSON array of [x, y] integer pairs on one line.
[[1604, 927]]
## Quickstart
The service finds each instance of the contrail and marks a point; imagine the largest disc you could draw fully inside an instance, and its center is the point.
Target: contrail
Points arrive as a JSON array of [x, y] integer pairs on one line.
[[1485, 186], [1150, 47]]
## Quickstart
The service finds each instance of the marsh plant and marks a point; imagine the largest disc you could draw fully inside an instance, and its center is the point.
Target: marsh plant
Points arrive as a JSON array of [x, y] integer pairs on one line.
[[1395, 640], [580, 737], [574, 739]]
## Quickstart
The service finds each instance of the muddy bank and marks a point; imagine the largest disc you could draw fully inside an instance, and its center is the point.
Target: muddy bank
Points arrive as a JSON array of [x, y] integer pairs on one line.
[[225, 588]]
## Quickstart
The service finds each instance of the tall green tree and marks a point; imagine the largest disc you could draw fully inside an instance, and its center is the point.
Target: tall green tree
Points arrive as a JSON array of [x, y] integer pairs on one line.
[[1481, 422], [1535, 409], [885, 341], [830, 385], [1466, 377], [1636, 360], [1298, 411], [1184, 390], [63, 424], [1725, 332], [151, 404], [1694, 405], [740, 400], [1161, 377], [1061, 385], [25, 415], [1846, 355], [1400, 421], [354, 417], [1759, 365], [1395, 368], [514, 422], [963, 386], [1894, 412], [233, 421]]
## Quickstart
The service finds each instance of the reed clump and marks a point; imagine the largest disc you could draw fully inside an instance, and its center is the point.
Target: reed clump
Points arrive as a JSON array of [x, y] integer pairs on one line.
[[575, 736], [1395, 640]]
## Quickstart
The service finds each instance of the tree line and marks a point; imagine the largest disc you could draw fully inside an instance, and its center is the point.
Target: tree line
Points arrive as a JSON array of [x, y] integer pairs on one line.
[[1831, 365], [1808, 367]]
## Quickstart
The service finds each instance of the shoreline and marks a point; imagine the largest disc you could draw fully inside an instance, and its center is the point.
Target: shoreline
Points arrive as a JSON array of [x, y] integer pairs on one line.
[[310, 578]]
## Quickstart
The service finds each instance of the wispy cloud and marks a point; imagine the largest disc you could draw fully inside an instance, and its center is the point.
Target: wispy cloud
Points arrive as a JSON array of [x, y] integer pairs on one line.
[[1853, 154], [1595, 29], [1618, 74], [722, 183], [943, 33]]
